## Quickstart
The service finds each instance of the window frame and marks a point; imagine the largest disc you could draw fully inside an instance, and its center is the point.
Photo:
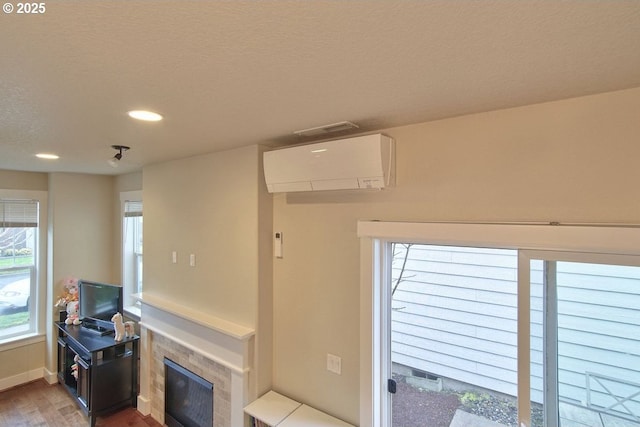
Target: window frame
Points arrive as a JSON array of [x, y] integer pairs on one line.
[[130, 303], [38, 308], [375, 243]]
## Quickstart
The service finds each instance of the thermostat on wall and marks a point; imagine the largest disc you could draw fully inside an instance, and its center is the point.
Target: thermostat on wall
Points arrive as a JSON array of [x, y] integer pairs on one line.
[[277, 244]]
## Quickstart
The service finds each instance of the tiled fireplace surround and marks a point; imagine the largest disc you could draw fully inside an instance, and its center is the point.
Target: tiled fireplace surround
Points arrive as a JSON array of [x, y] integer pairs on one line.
[[215, 349]]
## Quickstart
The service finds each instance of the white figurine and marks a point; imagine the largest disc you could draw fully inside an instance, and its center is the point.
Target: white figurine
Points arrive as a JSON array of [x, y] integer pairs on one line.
[[118, 326], [129, 329]]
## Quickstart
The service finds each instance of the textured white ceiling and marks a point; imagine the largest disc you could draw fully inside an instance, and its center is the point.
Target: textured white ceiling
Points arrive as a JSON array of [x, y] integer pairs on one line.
[[232, 73]]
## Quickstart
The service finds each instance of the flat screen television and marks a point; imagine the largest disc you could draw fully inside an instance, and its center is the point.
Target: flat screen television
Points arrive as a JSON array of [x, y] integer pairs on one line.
[[98, 303]]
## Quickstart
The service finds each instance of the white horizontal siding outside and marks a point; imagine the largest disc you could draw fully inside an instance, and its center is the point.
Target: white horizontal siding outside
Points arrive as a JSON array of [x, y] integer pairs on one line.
[[455, 315], [599, 332]]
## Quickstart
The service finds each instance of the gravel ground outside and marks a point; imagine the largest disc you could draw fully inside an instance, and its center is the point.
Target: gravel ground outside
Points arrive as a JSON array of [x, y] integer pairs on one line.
[[416, 407], [413, 407]]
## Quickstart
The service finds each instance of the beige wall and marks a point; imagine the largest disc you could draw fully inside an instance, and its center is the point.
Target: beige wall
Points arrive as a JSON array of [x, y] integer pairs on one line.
[[214, 206], [568, 161], [127, 182], [81, 236], [81, 209], [16, 180], [20, 361], [207, 206], [264, 327]]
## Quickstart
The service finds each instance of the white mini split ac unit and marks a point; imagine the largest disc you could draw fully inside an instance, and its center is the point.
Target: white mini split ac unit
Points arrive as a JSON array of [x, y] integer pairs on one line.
[[352, 163]]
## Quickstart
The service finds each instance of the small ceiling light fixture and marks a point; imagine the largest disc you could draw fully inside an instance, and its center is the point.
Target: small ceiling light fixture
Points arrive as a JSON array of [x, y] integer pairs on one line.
[[333, 127], [115, 160], [47, 156], [147, 116]]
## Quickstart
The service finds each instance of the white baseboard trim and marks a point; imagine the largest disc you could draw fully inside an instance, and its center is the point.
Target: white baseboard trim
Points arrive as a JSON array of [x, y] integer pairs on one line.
[[21, 378], [50, 377], [144, 405]]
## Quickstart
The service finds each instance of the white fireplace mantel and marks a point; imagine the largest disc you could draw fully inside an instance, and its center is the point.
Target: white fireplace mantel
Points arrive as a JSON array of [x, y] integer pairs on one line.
[[234, 330], [225, 343]]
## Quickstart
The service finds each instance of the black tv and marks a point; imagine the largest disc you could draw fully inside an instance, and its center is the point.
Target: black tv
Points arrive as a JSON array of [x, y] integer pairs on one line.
[[98, 303]]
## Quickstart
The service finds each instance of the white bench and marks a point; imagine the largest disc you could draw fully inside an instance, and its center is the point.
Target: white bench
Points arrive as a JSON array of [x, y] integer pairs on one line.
[[274, 409]]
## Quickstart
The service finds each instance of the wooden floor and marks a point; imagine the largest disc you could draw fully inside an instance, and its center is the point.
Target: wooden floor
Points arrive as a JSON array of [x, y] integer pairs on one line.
[[40, 404]]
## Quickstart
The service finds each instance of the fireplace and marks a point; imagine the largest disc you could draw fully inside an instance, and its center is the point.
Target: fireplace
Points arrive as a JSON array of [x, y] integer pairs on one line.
[[218, 351], [188, 398]]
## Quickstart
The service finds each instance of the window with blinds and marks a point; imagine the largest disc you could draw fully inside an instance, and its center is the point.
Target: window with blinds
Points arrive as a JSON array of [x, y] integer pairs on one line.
[[18, 255], [131, 249]]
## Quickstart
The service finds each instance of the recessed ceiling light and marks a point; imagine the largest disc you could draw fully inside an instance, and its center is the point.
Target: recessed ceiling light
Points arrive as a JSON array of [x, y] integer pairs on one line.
[[47, 156], [147, 116]]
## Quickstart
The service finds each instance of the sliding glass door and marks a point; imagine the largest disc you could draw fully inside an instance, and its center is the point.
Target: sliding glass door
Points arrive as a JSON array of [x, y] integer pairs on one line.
[[585, 332], [463, 352], [519, 325]]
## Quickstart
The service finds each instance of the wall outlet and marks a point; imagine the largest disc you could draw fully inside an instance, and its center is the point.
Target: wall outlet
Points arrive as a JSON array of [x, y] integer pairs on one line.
[[334, 364]]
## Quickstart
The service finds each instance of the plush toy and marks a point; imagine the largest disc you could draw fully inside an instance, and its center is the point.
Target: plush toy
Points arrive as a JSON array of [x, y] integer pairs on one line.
[[129, 329], [72, 313], [69, 299], [74, 367], [70, 291], [118, 325]]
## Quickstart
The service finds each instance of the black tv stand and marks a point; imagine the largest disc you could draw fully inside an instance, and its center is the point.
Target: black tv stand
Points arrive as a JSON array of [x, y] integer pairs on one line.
[[97, 329], [107, 370]]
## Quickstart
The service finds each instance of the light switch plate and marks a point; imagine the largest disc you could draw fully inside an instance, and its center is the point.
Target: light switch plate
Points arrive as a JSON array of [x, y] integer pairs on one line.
[[334, 364]]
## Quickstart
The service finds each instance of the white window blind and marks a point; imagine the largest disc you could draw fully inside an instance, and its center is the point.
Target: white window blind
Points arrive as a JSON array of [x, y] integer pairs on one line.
[[132, 208], [18, 213]]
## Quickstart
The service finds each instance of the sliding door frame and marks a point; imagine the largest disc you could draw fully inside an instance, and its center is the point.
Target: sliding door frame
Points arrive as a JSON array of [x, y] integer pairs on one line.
[[529, 239]]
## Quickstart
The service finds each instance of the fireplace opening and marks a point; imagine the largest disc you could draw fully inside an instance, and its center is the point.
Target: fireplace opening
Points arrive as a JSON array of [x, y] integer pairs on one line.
[[188, 398]]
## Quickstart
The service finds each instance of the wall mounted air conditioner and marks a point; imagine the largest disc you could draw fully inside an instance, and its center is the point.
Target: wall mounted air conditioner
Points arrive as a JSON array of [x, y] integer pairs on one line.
[[352, 163]]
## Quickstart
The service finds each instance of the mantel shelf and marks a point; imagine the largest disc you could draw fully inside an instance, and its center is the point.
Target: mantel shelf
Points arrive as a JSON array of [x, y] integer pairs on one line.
[[226, 327]]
